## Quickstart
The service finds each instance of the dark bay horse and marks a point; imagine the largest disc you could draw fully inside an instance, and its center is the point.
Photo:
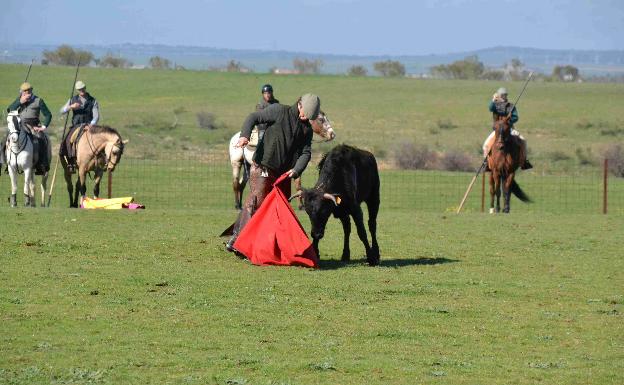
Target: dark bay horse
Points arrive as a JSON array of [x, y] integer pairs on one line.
[[504, 159], [98, 149]]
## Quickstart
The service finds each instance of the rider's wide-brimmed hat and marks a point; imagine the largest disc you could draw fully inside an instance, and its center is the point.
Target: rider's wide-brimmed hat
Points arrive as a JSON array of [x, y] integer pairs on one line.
[[80, 85], [25, 86], [311, 106]]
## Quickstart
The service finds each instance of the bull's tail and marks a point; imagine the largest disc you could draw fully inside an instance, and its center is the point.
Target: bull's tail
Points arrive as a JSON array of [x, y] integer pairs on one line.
[[517, 191]]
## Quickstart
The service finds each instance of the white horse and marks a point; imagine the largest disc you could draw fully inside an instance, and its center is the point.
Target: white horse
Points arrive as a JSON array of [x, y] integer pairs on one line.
[[240, 157], [21, 158]]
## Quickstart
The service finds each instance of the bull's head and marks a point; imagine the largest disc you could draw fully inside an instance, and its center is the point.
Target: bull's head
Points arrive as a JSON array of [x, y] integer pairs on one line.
[[319, 205]]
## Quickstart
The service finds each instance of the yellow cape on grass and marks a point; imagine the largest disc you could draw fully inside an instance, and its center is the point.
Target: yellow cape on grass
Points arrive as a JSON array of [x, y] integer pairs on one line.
[[111, 204]]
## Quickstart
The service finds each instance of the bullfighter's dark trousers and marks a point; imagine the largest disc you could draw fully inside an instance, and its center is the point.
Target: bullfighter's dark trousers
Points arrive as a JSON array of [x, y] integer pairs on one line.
[[261, 182]]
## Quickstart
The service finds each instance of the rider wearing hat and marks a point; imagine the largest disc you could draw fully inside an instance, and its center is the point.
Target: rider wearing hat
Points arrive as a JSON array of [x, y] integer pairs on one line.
[[30, 107], [85, 113], [267, 100], [500, 108]]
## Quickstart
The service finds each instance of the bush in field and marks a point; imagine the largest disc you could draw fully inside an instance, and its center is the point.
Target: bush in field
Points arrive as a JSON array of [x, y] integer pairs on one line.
[[357, 71], [157, 62], [454, 160], [409, 156], [584, 156], [446, 124], [110, 61], [389, 68], [557, 156], [566, 73], [207, 120], [67, 56], [615, 156], [468, 68], [305, 66]]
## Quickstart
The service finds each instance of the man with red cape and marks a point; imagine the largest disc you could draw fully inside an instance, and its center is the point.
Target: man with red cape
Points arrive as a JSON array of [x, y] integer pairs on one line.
[[285, 150]]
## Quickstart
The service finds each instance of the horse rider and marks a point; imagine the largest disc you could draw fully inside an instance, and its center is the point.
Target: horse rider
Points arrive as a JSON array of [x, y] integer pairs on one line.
[[85, 113], [267, 100], [30, 107], [500, 108], [286, 147]]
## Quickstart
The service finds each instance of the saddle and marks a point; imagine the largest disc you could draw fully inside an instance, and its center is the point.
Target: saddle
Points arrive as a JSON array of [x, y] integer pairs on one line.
[[75, 136]]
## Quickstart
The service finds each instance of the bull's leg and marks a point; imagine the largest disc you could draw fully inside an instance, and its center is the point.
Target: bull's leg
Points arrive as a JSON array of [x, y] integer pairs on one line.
[[315, 242], [373, 209], [346, 228], [358, 218]]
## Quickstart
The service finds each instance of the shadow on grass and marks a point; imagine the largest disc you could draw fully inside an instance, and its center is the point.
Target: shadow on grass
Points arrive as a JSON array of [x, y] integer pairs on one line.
[[332, 264]]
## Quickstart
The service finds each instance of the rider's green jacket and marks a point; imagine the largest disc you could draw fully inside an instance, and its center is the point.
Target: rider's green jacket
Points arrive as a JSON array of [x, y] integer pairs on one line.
[[502, 109], [287, 141], [31, 110]]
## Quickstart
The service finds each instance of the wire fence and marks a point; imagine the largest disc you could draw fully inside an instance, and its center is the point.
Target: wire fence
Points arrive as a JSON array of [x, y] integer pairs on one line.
[[203, 184]]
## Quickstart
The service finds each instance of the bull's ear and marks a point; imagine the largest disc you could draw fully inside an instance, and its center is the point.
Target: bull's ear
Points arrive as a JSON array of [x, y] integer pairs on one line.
[[332, 197]]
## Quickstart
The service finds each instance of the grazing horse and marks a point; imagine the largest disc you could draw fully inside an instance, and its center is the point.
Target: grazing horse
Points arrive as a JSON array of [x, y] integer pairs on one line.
[[98, 149], [504, 159], [21, 157], [241, 158]]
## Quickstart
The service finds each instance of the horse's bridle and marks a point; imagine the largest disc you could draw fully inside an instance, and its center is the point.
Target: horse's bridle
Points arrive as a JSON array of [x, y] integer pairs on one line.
[[18, 130], [98, 152]]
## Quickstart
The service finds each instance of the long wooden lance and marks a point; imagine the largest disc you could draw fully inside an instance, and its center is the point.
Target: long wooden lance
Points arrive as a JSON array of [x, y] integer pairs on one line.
[[484, 162], [58, 158]]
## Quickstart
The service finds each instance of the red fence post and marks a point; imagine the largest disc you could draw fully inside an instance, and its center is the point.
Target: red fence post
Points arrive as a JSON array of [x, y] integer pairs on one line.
[[604, 186]]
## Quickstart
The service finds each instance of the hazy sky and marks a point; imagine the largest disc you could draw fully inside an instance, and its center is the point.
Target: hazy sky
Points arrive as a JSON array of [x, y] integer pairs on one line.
[[359, 27]]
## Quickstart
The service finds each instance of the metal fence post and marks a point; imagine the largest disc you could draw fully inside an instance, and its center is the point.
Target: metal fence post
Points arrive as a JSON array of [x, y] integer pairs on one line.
[[604, 186]]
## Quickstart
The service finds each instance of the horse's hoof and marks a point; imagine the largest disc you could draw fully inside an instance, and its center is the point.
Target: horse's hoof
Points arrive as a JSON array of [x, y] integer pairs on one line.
[[491, 211]]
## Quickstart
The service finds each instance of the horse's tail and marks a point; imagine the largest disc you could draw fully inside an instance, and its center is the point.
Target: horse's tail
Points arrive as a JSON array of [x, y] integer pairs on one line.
[[517, 191]]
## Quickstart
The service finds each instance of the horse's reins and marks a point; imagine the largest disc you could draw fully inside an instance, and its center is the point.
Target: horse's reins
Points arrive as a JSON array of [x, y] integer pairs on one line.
[[98, 152]]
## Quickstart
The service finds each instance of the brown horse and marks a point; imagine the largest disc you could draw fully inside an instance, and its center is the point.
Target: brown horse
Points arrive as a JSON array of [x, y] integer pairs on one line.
[[504, 159], [98, 149]]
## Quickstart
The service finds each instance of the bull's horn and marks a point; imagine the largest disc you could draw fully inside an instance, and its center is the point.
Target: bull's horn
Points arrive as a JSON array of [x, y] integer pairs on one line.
[[297, 194], [125, 141], [332, 197]]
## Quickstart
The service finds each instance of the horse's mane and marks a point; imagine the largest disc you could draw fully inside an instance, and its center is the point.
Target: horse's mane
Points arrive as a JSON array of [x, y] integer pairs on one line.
[[103, 129]]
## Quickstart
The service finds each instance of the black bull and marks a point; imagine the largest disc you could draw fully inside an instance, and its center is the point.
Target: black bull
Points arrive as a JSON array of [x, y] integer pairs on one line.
[[347, 177]]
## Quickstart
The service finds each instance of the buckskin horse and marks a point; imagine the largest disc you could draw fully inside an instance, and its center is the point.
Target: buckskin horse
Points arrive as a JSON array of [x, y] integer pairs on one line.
[[240, 157], [98, 149], [504, 159]]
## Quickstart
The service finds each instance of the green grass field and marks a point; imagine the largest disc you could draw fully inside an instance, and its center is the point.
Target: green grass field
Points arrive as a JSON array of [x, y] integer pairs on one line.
[[557, 119], [151, 297]]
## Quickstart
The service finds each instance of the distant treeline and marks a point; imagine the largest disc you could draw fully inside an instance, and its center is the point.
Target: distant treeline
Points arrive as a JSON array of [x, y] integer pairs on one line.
[[468, 68]]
